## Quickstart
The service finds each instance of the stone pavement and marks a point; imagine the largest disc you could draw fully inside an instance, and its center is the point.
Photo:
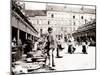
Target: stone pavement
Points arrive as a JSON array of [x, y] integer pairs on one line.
[[76, 61]]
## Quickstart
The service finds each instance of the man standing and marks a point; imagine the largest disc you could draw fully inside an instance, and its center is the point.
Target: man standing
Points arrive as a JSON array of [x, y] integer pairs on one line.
[[50, 48]]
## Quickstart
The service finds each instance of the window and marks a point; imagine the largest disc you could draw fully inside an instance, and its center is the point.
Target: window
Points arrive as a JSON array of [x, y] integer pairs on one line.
[[41, 31], [74, 24], [48, 22], [73, 17], [61, 28], [81, 17]]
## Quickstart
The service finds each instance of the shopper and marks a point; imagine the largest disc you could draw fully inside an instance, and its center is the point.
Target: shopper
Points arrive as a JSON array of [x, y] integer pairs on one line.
[[59, 47], [84, 47], [71, 45]]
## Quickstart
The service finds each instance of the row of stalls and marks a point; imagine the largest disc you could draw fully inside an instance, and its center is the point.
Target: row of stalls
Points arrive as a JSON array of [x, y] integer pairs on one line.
[[21, 30], [21, 26], [25, 59], [86, 32]]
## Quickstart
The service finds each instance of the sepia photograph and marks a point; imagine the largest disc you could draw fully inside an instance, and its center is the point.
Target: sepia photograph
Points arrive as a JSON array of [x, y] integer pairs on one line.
[[52, 37]]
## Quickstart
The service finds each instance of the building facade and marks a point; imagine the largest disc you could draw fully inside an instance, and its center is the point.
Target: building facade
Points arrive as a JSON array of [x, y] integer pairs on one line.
[[64, 20]]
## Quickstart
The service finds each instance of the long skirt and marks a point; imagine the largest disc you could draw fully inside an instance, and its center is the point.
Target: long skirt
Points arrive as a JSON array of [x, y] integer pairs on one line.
[[84, 49], [70, 49]]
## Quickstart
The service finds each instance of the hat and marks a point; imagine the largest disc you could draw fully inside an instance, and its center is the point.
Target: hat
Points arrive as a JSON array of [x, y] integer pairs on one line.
[[49, 29]]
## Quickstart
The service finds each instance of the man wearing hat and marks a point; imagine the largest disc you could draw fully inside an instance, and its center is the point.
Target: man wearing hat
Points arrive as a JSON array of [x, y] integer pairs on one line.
[[50, 47]]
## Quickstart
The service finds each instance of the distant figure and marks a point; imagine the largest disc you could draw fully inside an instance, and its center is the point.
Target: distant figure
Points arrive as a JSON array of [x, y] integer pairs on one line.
[[35, 45], [59, 47], [84, 47], [14, 43], [71, 46]]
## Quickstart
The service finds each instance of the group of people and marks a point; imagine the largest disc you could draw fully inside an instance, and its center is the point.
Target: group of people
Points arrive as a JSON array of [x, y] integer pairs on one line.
[[72, 45], [48, 44]]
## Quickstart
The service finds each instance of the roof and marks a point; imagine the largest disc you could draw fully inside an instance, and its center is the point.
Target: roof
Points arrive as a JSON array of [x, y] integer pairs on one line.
[[32, 13], [87, 26], [17, 10], [71, 9]]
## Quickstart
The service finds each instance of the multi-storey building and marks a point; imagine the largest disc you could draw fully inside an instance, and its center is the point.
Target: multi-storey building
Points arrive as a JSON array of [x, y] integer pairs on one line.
[[64, 19]]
